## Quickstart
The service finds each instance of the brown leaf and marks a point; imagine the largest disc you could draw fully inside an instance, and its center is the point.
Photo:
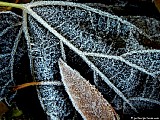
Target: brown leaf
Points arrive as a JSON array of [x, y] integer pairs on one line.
[[157, 4], [3, 108], [87, 100]]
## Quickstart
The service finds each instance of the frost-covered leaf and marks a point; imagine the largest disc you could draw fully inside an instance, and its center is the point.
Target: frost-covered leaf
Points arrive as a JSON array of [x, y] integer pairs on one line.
[[123, 66], [85, 98], [44, 53], [113, 48], [149, 25], [11, 50]]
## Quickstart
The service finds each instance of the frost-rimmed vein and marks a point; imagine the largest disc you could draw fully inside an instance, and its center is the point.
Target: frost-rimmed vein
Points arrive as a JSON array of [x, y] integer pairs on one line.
[[120, 58], [80, 53], [62, 51], [145, 99], [4, 55], [2, 12], [85, 7], [25, 29], [140, 51], [10, 27], [14, 50], [56, 83]]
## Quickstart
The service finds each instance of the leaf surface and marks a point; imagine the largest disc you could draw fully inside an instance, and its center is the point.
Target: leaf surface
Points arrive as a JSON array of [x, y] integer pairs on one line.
[[124, 66], [113, 48], [11, 50], [85, 98]]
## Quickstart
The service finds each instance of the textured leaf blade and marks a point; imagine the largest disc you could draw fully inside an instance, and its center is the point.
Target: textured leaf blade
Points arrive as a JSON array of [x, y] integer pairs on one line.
[[100, 39], [44, 53], [10, 53], [147, 59], [85, 98]]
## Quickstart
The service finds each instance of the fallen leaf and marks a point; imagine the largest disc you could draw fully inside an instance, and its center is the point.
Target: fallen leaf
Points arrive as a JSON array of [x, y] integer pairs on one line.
[[3, 108], [157, 4], [87, 100]]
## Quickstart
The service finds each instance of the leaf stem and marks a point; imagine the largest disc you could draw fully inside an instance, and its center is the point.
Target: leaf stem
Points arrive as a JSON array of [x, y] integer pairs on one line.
[[25, 85], [12, 5], [57, 83]]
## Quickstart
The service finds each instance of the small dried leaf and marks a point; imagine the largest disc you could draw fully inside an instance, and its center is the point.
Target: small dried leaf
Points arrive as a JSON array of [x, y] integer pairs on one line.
[[87, 100], [157, 4], [3, 108]]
